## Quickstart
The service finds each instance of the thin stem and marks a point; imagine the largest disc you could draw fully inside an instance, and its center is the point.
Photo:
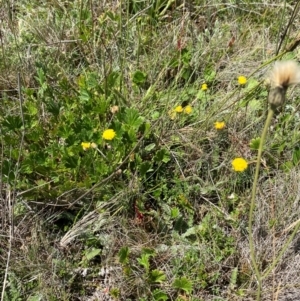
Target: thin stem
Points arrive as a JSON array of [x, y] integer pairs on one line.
[[252, 203]]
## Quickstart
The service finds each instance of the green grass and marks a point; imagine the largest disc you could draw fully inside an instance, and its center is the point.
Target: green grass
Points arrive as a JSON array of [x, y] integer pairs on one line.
[[156, 213]]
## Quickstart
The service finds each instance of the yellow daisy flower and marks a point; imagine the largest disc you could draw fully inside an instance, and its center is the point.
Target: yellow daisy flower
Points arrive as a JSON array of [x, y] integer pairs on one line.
[[204, 87], [109, 134], [242, 80], [178, 109], [188, 109], [86, 145], [239, 164], [219, 125]]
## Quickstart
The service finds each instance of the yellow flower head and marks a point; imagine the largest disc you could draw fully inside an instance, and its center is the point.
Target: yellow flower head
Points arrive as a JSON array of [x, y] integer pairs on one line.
[[239, 164], [86, 145], [109, 134], [178, 109], [219, 125], [188, 109], [242, 80], [204, 87]]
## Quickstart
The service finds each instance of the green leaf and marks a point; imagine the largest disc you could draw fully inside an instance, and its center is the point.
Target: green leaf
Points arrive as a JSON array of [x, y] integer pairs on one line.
[[7, 167], [202, 95], [251, 84], [132, 135], [162, 155], [175, 212], [191, 231], [148, 251], [186, 56], [254, 104], [160, 295], [31, 108], [35, 298], [145, 167], [71, 162], [91, 80], [146, 129], [84, 95], [157, 276], [41, 78], [174, 63], [254, 143], [296, 155], [150, 147], [12, 122], [112, 16], [287, 166], [155, 115], [112, 79], [93, 253], [139, 77], [233, 278], [183, 284], [209, 75], [53, 107], [144, 261], [123, 254], [132, 118]]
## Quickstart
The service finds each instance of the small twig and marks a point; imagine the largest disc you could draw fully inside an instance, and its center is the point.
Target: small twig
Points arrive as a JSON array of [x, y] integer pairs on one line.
[[33, 188], [291, 20], [291, 226]]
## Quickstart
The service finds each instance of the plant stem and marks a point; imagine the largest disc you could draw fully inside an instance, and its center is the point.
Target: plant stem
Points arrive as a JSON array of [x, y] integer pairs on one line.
[[252, 203]]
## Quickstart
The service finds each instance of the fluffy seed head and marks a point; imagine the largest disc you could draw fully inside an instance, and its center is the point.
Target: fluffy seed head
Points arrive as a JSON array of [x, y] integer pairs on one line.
[[284, 74]]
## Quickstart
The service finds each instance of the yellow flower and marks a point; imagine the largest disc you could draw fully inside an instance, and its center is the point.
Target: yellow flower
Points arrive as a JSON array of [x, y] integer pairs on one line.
[[188, 109], [109, 134], [204, 87], [239, 164], [242, 80], [86, 145], [178, 109], [219, 125]]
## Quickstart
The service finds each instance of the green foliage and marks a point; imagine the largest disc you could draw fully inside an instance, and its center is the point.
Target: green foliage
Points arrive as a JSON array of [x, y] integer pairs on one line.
[[35, 298], [156, 276], [90, 254], [123, 255], [254, 143], [159, 295], [233, 278], [139, 77], [145, 257], [14, 289], [183, 284]]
